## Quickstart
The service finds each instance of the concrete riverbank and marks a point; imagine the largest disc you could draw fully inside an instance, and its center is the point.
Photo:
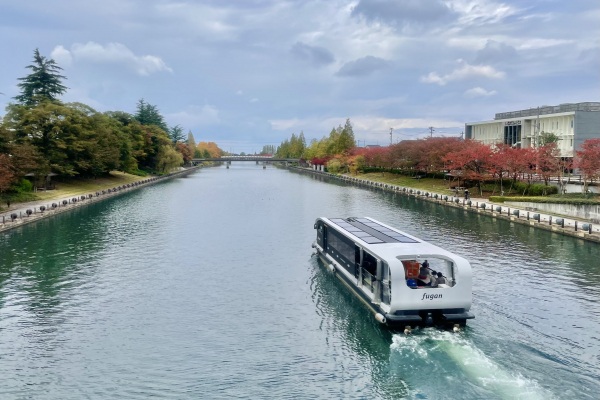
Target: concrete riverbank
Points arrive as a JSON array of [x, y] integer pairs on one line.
[[566, 225], [25, 213]]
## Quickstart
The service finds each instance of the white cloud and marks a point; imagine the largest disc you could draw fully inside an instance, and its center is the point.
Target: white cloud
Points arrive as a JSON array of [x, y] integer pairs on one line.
[[62, 56], [363, 66], [254, 100], [286, 124], [482, 12], [379, 124], [479, 92], [112, 53], [539, 43], [211, 23], [195, 116], [466, 71]]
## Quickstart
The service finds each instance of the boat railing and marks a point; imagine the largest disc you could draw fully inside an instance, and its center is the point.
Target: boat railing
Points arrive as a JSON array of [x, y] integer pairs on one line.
[[367, 280], [385, 292], [380, 289]]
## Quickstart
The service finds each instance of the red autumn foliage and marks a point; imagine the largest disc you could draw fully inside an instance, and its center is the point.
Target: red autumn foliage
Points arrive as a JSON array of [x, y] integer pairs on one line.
[[587, 159], [7, 175]]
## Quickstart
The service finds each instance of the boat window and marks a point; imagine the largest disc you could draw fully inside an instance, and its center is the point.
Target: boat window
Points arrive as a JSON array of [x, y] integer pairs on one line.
[[369, 263], [429, 272], [342, 249]]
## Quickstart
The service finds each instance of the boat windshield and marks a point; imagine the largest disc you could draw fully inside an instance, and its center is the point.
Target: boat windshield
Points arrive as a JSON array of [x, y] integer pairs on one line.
[[429, 272]]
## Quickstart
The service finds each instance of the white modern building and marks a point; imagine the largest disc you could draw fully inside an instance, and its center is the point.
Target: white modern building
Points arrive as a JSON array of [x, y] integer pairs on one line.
[[572, 123]]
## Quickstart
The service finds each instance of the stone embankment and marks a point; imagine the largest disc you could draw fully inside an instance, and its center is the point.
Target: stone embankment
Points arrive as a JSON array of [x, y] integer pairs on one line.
[[34, 211], [566, 225]]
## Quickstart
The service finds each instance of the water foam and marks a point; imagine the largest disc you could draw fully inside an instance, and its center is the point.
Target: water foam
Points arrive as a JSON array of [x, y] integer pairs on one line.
[[434, 350]]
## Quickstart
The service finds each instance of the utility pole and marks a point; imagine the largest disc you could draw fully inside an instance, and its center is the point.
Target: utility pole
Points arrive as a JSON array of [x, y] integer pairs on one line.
[[391, 130], [537, 129], [431, 131]]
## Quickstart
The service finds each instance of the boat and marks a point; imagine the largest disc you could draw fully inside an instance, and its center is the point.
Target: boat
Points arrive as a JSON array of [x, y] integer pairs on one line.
[[391, 272]]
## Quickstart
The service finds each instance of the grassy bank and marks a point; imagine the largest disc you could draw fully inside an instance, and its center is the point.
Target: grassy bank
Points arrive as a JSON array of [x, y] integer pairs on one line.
[[76, 187], [430, 184]]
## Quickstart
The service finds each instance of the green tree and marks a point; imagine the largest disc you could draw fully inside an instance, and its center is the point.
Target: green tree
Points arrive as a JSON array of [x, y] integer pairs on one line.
[[43, 84], [346, 138], [547, 138], [191, 143], [268, 149], [72, 138], [21, 158], [148, 114], [176, 134], [42, 127], [167, 159]]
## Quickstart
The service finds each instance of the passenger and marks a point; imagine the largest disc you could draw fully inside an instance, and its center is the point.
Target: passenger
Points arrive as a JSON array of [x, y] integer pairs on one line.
[[433, 279], [425, 264], [440, 279], [424, 279]]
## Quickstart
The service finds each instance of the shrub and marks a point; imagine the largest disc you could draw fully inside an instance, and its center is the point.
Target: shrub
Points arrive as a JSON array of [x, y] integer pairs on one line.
[[551, 200], [535, 189], [334, 166], [23, 186]]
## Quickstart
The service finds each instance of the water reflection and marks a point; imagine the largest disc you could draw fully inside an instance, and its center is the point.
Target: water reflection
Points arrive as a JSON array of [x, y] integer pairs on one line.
[[344, 317]]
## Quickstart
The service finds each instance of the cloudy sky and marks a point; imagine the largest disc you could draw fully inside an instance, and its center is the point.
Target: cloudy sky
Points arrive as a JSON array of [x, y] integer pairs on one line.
[[245, 73]]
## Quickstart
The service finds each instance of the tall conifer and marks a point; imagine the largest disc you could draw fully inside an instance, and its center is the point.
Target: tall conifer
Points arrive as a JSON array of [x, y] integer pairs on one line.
[[44, 82]]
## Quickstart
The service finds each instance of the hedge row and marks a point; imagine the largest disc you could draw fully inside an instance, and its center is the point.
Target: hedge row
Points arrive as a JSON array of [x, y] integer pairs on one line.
[[549, 200]]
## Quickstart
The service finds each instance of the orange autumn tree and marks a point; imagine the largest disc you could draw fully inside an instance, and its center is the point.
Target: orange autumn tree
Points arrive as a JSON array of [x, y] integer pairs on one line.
[[210, 150]]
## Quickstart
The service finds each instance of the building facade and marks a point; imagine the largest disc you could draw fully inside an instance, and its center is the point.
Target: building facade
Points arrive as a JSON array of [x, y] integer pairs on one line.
[[572, 123]]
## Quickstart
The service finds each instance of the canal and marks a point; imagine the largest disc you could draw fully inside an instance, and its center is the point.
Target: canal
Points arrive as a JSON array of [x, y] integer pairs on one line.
[[207, 287]]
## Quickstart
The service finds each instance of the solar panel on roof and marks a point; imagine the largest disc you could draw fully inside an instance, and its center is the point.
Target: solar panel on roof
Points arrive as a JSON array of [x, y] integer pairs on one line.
[[372, 240], [361, 234], [353, 229], [345, 226], [405, 239], [370, 232]]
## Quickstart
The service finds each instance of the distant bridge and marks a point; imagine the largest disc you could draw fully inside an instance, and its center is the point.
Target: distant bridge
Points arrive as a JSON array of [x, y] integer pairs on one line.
[[245, 158]]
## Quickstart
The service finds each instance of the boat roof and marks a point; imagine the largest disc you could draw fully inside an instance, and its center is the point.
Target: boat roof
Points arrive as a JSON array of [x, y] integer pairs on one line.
[[385, 240], [371, 231]]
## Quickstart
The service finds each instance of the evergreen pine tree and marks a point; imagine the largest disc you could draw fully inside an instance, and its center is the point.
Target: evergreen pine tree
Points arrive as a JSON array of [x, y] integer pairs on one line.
[[44, 82]]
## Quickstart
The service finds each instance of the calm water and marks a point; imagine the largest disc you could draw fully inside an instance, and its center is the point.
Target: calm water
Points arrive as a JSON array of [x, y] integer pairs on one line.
[[207, 287]]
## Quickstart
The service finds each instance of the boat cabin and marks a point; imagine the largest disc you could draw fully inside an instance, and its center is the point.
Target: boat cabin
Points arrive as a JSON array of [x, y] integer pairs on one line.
[[402, 279]]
